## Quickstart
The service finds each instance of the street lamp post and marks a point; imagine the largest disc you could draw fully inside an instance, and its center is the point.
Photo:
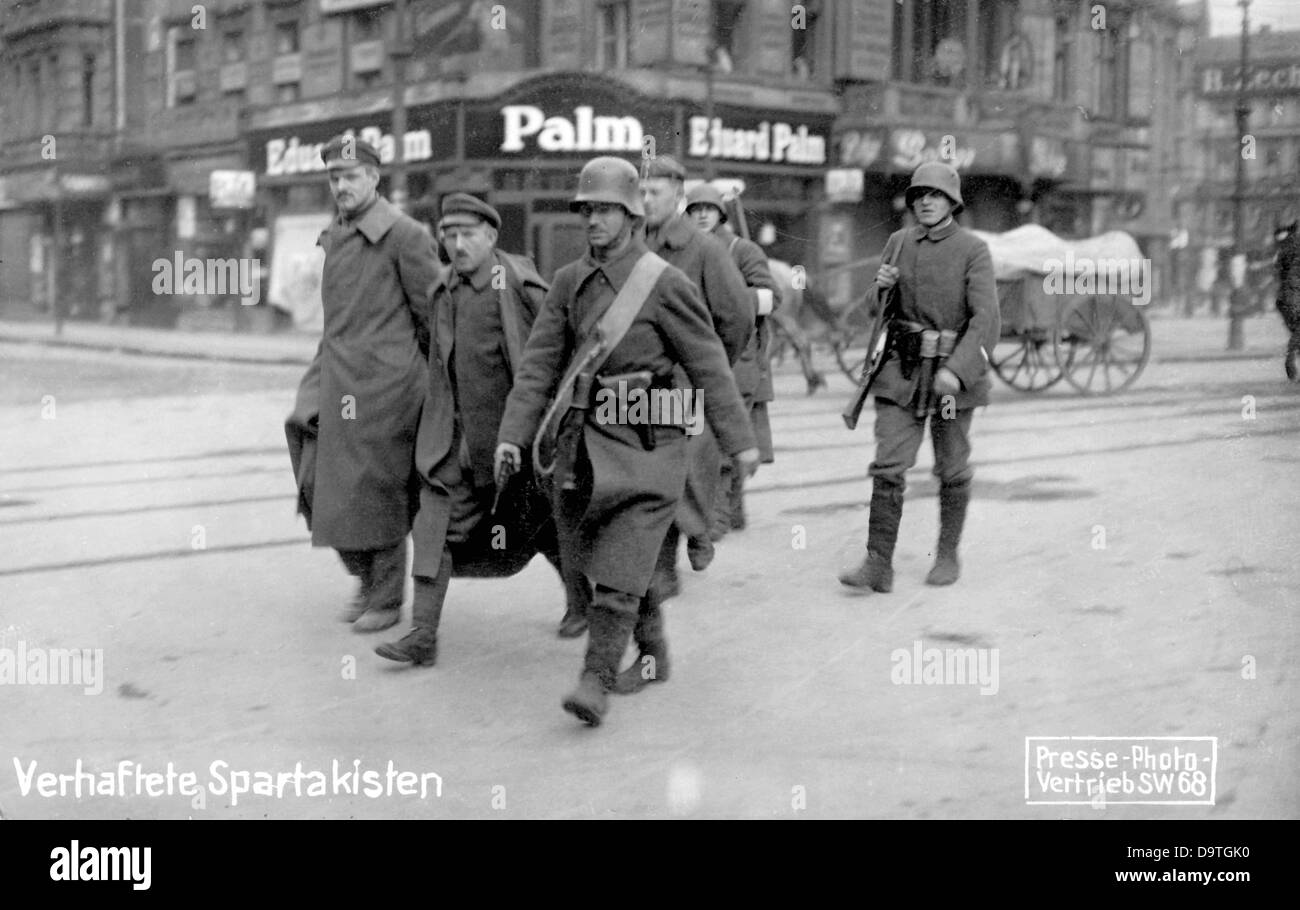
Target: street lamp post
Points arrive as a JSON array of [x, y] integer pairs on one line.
[[1236, 305]]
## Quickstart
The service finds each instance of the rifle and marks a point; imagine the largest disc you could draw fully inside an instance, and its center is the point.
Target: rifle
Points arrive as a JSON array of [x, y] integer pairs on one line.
[[877, 350]]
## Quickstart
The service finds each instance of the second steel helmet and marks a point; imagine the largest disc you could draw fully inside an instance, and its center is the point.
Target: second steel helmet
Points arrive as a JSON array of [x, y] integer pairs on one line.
[[935, 175], [706, 194], [609, 179]]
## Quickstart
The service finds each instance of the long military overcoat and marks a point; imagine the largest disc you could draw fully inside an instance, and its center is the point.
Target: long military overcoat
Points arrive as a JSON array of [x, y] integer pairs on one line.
[[946, 282], [352, 431], [733, 310], [438, 465], [754, 368], [634, 491]]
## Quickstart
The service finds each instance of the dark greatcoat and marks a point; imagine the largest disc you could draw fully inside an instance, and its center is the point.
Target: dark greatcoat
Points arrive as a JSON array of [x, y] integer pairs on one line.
[[733, 308], [352, 431], [632, 492], [439, 458], [946, 282], [754, 369]]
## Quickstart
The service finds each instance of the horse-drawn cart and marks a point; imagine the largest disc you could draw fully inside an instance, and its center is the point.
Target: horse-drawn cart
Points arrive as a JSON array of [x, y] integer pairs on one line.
[[1063, 313]]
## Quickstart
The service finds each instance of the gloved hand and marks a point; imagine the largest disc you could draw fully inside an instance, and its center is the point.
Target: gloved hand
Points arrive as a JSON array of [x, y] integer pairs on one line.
[[748, 461]]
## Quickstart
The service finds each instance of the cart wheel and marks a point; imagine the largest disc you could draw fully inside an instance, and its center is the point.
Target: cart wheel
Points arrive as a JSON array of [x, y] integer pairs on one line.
[[851, 354], [1102, 344], [1025, 362]]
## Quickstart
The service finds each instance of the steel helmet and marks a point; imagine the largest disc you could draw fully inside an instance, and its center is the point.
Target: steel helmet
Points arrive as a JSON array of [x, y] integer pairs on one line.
[[609, 179], [706, 194], [935, 175]]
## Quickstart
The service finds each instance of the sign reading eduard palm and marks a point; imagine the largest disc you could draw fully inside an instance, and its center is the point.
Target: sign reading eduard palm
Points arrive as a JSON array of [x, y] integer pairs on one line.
[[579, 116]]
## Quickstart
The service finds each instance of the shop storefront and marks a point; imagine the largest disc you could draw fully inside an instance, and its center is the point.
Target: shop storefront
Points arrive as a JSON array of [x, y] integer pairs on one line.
[[522, 150], [52, 229]]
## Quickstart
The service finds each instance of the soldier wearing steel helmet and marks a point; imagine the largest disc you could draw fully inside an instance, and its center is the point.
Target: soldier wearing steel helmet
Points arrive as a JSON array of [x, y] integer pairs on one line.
[[753, 372], [625, 480], [945, 296]]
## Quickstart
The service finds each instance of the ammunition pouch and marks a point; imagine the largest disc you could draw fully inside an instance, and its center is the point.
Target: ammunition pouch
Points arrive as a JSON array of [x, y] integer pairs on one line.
[[905, 343]]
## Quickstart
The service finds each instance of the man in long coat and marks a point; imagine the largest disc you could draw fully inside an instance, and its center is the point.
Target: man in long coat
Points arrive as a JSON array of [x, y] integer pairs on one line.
[[482, 309], [352, 431], [753, 371], [945, 283], [705, 261], [627, 475]]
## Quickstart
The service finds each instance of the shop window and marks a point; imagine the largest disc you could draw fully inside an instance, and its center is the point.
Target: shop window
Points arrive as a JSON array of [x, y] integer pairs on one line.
[[728, 32], [803, 44], [88, 90], [612, 35]]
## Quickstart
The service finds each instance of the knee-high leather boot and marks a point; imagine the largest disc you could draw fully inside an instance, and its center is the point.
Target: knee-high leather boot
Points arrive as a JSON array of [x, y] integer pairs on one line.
[[953, 500], [877, 571], [651, 664], [610, 621]]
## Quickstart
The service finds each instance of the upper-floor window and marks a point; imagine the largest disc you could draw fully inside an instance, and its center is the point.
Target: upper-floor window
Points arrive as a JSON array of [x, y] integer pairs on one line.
[[932, 42], [52, 99], [88, 90], [182, 79], [286, 38], [728, 32], [612, 34], [1113, 67], [1063, 54], [803, 42], [187, 52], [1007, 58], [232, 46]]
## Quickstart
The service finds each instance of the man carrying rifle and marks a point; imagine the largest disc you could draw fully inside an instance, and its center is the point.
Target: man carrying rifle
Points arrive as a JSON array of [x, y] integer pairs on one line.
[[942, 325], [618, 318]]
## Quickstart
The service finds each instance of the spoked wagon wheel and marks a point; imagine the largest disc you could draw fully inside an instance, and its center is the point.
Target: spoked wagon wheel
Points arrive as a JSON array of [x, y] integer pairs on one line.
[[1102, 344], [851, 353], [1026, 362]]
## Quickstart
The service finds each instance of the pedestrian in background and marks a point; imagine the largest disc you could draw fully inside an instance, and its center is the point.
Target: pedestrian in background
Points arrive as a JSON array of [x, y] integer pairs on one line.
[[352, 431], [753, 371], [619, 315], [944, 278], [705, 261]]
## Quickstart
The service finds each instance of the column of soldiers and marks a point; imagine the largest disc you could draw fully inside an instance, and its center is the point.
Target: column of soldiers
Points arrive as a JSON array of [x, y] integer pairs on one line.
[[457, 404], [422, 412]]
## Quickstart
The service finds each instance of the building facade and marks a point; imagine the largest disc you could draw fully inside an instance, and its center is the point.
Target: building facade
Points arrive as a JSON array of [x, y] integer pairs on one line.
[[819, 109], [1053, 111], [1271, 152]]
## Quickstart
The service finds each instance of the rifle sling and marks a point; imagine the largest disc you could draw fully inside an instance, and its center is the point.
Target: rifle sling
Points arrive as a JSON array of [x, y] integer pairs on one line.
[[598, 344]]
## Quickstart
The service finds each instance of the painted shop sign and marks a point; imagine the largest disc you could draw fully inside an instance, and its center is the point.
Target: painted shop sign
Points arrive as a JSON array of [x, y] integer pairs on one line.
[[530, 128], [1223, 81], [584, 133], [289, 155], [776, 142]]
